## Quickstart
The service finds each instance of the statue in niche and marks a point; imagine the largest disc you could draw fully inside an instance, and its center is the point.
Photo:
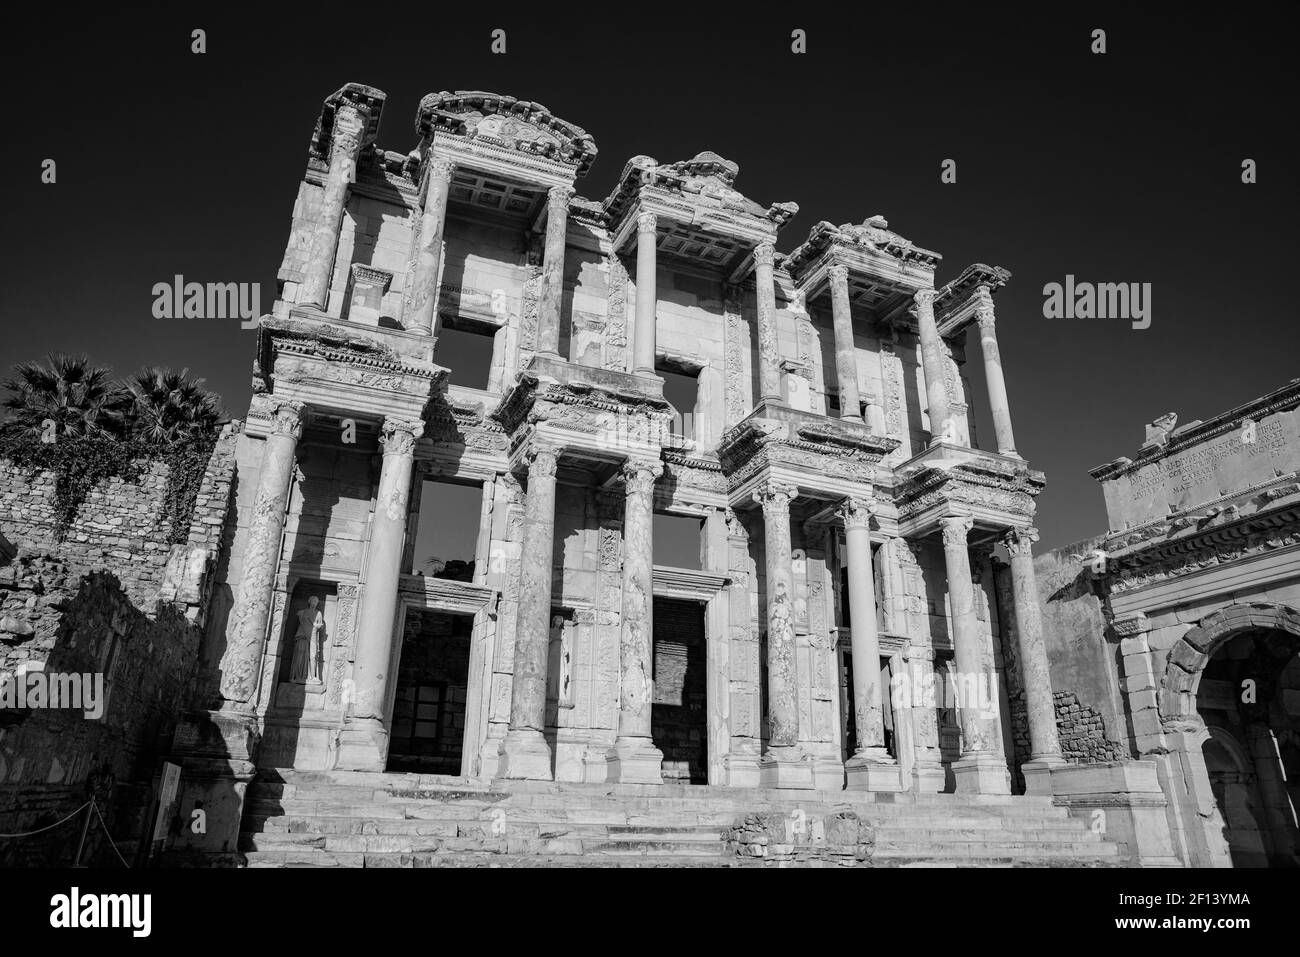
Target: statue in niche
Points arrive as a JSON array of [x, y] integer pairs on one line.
[[308, 646]]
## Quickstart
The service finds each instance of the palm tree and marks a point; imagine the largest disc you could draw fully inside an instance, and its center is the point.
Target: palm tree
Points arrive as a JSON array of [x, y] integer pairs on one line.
[[168, 407], [80, 399]]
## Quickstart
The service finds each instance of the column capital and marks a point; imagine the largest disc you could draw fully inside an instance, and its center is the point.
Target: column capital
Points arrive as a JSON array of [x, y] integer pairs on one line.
[[287, 417], [558, 197], [838, 273], [543, 460], [439, 167], [924, 298], [646, 224], [348, 127], [398, 435], [640, 475], [1020, 541], [775, 497], [956, 528], [764, 254], [856, 512]]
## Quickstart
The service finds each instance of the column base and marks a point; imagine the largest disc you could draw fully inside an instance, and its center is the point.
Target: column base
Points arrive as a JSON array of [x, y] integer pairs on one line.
[[982, 772], [363, 745], [741, 769], [786, 767], [525, 756], [635, 761], [872, 769], [1038, 773]]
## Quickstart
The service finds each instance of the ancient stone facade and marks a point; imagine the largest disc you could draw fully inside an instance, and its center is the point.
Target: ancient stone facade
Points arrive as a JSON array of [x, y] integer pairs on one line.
[[846, 516], [1180, 628]]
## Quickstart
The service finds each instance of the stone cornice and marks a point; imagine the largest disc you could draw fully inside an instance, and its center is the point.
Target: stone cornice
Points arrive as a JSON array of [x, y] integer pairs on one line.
[[507, 122], [1287, 397], [366, 100], [872, 235]]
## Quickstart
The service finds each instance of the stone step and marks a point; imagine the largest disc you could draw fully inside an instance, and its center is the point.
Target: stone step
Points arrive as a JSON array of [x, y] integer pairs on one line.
[[1013, 849]]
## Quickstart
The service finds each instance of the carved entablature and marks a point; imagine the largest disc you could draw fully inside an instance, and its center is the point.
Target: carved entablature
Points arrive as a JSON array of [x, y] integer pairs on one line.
[[338, 371], [824, 457], [1162, 552], [996, 494], [881, 268], [457, 423], [693, 478], [368, 103], [600, 414], [968, 297], [700, 215], [494, 128]]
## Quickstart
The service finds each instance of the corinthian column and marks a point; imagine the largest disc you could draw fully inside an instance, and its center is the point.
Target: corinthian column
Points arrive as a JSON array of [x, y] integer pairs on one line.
[[548, 309], [769, 361], [346, 144], [933, 361], [643, 345], [870, 768], [364, 743], [784, 764], [246, 631], [428, 259], [634, 758], [1035, 673], [997, 385], [846, 359], [981, 768], [524, 752]]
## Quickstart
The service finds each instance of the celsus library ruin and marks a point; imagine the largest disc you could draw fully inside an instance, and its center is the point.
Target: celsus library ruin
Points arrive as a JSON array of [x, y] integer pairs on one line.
[[858, 660]]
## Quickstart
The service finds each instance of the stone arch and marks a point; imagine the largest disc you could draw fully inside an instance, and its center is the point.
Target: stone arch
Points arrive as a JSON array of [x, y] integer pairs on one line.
[[1190, 653]]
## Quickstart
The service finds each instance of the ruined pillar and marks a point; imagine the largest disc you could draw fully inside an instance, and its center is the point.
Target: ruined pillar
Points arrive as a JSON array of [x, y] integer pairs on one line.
[[634, 758], [524, 752], [846, 361], [345, 146], [363, 745], [548, 308], [933, 361], [869, 768], [769, 360], [428, 259], [246, 631], [997, 385], [784, 764], [982, 768], [1035, 673], [643, 347]]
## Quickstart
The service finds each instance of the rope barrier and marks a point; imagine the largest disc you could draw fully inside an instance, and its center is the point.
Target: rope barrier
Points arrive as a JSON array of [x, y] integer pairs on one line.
[[108, 836], [52, 826]]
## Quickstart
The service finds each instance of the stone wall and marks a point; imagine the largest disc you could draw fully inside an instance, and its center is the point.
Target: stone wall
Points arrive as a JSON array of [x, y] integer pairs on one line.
[[74, 620], [112, 599]]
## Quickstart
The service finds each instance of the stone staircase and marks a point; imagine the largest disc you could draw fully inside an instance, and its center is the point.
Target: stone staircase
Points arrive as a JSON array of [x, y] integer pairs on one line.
[[365, 819]]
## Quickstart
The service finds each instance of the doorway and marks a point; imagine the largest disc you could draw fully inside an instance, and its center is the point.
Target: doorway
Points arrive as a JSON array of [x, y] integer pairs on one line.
[[428, 726], [679, 713]]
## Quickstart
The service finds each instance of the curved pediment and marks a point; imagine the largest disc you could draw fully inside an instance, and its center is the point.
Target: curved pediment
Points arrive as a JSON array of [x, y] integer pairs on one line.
[[507, 122]]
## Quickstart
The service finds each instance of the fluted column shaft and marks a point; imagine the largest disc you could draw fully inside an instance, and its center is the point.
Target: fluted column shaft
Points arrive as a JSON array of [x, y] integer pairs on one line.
[[345, 146], [868, 717], [782, 683], [972, 653], [548, 308], [247, 628], [643, 350], [997, 385], [1036, 677], [846, 360], [428, 258], [373, 670], [769, 360], [933, 361]]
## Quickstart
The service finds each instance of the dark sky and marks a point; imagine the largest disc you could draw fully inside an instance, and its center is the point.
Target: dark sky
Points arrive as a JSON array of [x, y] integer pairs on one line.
[[1116, 168]]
